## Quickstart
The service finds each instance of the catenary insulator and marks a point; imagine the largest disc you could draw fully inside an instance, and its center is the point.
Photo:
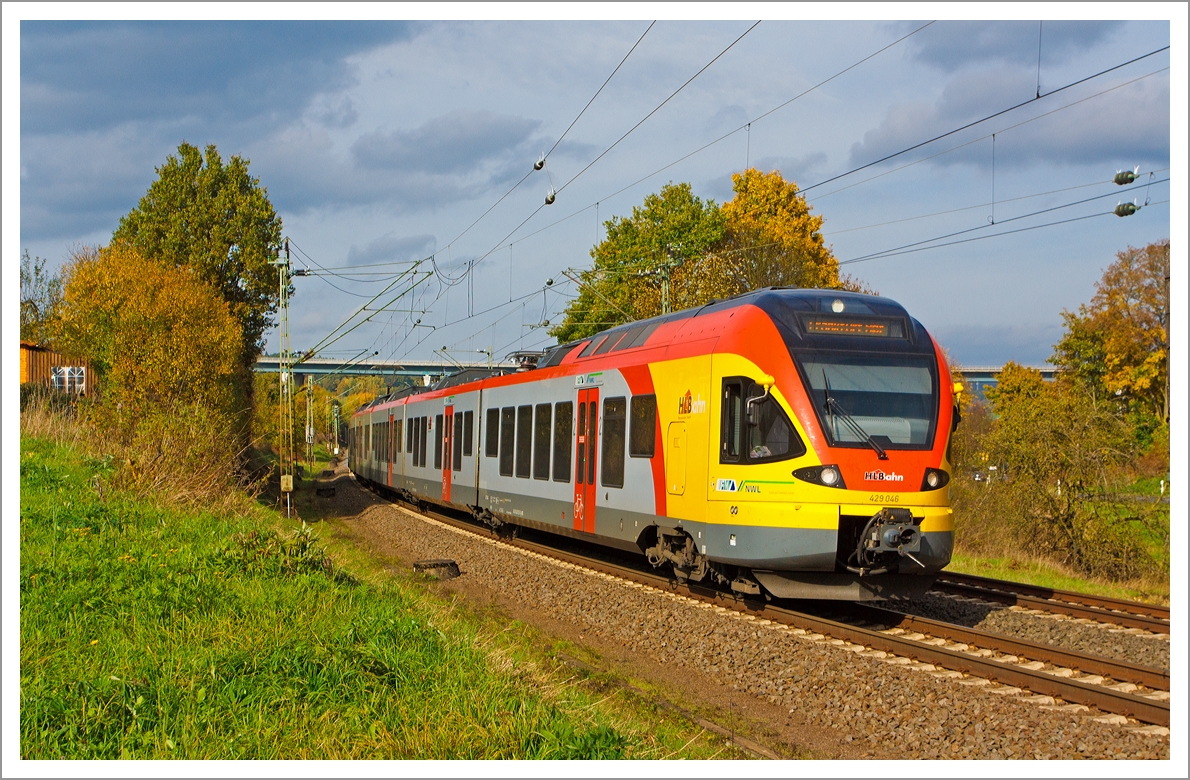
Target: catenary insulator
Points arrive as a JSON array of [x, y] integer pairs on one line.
[[549, 282], [537, 166], [1126, 209], [1125, 177], [550, 196]]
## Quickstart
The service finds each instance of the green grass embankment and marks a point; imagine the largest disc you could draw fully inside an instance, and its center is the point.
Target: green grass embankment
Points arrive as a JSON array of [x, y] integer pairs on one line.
[[151, 632]]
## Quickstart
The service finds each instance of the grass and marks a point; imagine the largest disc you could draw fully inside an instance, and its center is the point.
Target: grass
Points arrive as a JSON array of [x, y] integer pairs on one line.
[[156, 632], [1049, 575]]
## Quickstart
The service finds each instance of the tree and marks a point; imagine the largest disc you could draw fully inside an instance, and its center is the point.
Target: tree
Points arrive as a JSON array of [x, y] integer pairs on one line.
[[1056, 448], [215, 219], [771, 239], [764, 237], [155, 334], [669, 234], [41, 293], [1120, 342]]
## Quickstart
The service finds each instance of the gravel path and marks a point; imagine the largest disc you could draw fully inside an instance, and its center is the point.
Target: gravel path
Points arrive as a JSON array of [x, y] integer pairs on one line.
[[1082, 635], [882, 709]]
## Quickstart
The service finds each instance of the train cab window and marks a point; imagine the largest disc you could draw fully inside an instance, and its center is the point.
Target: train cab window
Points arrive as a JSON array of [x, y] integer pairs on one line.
[[524, 440], [611, 469], [438, 441], [491, 436], [456, 439], [541, 441], [563, 424], [422, 436], [755, 429], [468, 433], [507, 439], [642, 429], [400, 425]]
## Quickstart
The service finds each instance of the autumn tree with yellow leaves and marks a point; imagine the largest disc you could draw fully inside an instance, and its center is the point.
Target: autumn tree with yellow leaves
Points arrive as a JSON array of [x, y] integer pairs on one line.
[[765, 236]]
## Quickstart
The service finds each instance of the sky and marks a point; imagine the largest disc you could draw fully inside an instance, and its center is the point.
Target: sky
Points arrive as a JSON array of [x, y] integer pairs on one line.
[[381, 142]]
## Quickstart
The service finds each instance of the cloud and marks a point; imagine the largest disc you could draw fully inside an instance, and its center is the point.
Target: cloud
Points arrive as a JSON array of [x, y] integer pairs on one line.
[[391, 248], [95, 75], [458, 142], [954, 44], [1130, 123], [987, 345], [797, 169]]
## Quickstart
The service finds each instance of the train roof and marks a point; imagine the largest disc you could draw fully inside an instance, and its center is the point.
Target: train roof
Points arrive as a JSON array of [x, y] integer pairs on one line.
[[782, 304]]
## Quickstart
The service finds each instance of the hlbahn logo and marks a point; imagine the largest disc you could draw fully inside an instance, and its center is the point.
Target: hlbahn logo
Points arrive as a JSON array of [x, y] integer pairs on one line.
[[880, 476], [688, 404]]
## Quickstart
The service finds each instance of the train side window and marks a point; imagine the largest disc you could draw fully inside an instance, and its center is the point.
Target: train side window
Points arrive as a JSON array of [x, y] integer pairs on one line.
[[580, 469], [563, 422], [541, 441], [507, 439], [733, 421], [491, 442], [424, 422], [397, 433], [642, 431], [615, 410], [456, 439], [437, 441], [524, 440], [468, 433], [409, 434]]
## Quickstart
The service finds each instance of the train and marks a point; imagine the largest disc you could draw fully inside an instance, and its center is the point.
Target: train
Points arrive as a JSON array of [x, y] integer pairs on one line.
[[784, 443]]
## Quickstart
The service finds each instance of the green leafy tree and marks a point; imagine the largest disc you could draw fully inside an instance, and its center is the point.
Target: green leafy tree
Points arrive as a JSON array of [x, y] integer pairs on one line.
[[1058, 450], [41, 292], [669, 234], [215, 219]]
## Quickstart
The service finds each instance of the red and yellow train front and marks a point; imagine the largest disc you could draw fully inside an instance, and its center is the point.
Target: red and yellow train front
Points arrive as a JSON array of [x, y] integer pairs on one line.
[[827, 419]]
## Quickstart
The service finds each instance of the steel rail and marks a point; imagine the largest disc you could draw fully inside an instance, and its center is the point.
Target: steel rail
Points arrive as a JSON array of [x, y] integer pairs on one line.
[[1124, 671], [1100, 697], [1000, 593], [1085, 599]]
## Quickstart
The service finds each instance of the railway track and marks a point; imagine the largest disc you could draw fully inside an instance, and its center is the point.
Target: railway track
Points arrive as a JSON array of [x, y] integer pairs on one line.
[[1129, 614], [1052, 675]]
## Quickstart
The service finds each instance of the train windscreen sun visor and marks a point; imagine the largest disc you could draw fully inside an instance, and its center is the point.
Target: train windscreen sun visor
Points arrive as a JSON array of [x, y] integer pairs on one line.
[[891, 398]]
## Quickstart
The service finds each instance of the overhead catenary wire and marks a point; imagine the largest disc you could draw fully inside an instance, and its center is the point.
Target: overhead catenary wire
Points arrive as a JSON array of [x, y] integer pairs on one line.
[[897, 250], [1111, 213], [986, 118], [1001, 131], [659, 107]]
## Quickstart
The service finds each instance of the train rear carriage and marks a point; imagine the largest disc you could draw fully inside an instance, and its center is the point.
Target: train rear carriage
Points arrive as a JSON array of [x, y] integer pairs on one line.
[[786, 440]]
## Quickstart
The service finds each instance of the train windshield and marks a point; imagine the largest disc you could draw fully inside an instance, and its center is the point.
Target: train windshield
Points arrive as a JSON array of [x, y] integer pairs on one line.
[[891, 400]]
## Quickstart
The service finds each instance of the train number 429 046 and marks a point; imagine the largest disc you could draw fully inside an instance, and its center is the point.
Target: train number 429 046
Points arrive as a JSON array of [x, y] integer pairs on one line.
[[885, 498]]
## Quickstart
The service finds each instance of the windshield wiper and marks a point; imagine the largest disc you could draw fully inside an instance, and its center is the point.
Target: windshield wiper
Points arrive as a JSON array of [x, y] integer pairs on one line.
[[833, 406]]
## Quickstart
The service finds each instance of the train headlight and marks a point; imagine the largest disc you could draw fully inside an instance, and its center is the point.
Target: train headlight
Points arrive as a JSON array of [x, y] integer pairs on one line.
[[827, 476], [934, 479]]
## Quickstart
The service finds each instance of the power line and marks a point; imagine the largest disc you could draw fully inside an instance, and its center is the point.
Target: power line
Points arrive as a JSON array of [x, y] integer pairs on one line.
[[989, 135], [986, 118], [727, 135], [976, 206], [609, 78], [658, 108], [916, 247]]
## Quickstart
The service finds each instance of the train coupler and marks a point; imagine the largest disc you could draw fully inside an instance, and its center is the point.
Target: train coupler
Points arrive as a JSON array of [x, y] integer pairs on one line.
[[892, 533]]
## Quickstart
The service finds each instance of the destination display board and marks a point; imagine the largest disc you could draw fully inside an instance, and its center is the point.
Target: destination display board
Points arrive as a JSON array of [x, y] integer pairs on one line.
[[835, 325]]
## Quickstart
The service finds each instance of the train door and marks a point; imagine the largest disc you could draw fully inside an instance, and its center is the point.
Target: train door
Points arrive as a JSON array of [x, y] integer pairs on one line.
[[390, 452], [585, 458], [448, 434]]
